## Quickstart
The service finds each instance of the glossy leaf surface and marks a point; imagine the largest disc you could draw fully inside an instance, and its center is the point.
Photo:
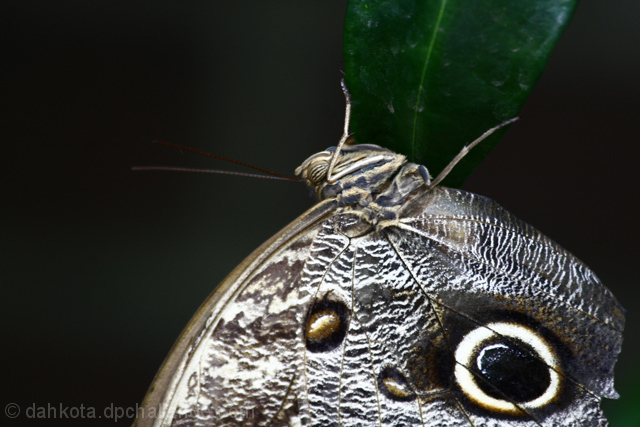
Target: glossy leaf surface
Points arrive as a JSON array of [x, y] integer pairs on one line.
[[428, 77]]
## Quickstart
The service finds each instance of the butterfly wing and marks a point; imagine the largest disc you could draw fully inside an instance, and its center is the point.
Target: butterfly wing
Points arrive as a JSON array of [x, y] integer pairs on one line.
[[336, 321], [237, 360], [361, 377], [453, 267]]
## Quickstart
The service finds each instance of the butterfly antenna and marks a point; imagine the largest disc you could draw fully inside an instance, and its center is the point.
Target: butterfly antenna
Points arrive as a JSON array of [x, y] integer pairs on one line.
[[217, 171], [465, 150], [345, 133], [270, 175]]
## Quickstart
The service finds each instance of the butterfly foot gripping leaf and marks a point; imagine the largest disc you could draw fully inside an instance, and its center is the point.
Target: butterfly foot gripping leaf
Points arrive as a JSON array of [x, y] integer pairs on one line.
[[395, 302]]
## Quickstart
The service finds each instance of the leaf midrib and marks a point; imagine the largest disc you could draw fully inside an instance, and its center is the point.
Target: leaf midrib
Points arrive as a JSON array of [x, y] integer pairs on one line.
[[424, 75]]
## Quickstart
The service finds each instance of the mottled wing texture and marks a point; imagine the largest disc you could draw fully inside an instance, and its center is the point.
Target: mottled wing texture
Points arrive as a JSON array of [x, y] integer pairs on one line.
[[239, 362], [348, 322], [453, 262], [245, 368], [389, 315]]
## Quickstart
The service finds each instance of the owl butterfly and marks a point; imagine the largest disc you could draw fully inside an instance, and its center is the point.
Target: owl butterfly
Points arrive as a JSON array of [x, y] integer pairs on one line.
[[395, 302]]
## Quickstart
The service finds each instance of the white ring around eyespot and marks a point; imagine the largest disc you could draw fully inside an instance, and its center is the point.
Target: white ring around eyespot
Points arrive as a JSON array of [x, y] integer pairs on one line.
[[475, 338]]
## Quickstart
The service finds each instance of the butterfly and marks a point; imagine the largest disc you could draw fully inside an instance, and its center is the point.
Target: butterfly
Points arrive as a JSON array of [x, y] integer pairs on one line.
[[395, 302]]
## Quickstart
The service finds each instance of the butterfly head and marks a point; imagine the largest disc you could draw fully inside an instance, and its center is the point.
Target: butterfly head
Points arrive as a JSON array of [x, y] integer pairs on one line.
[[360, 172]]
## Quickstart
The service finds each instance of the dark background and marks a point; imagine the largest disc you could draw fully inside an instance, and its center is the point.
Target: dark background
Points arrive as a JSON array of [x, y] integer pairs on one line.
[[102, 267]]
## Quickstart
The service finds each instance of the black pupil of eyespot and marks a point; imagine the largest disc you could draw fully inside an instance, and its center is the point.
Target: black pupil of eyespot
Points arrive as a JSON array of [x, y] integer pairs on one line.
[[512, 373]]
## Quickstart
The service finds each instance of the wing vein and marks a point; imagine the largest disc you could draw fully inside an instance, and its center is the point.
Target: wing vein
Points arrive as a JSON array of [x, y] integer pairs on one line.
[[409, 228]]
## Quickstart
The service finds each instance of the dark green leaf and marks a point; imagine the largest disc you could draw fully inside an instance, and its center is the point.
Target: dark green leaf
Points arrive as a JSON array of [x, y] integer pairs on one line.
[[428, 77]]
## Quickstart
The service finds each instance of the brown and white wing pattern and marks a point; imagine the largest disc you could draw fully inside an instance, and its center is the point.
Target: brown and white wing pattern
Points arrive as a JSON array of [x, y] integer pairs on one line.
[[395, 303], [523, 298], [239, 362], [445, 310], [360, 376], [457, 314]]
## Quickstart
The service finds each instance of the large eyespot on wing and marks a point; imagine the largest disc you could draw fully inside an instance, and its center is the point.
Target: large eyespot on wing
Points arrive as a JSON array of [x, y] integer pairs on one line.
[[473, 257], [239, 359], [504, 375]]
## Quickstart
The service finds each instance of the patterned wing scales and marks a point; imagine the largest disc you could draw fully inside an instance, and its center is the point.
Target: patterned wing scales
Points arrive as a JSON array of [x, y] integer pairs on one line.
[[395, 303], [365, 377], [246, 365], [239, 362], [480, 265], [408, 292]]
